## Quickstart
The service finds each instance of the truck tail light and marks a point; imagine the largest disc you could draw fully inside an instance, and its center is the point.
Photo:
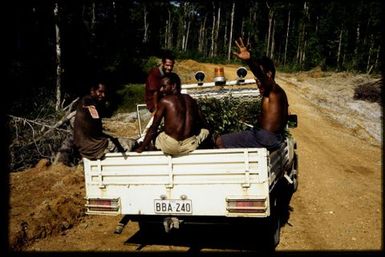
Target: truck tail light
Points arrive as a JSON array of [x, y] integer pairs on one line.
[[102, 206], [245, 205]]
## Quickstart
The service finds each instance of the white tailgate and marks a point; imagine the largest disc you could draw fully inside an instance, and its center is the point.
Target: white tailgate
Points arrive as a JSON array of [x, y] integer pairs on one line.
[[204, 178]]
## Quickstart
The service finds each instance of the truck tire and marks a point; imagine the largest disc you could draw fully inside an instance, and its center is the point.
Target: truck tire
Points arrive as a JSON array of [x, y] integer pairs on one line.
[[274, 225], [271, 229]]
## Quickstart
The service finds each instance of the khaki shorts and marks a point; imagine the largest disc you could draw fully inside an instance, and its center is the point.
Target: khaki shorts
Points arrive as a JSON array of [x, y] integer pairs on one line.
[[174, 147]]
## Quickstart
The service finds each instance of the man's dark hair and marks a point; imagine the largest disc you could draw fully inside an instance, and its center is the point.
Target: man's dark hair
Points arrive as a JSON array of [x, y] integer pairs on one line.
[[267, 64], [168, 55], [95, 85], [174, 79], [94, 82]]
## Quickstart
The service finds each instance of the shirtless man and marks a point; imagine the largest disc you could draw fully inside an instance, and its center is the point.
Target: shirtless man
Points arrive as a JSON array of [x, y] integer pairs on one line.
[[274, 115], [183, 123]]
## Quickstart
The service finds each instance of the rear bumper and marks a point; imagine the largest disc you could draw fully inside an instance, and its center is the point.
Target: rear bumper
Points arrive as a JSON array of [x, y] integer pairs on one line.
[[202, 220]]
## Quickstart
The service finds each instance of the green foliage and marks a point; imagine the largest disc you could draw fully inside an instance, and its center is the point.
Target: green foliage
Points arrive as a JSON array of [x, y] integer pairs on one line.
[[129, 96], [151, 62], [229, 114], [224, 115], [290, 68], [34, 103]]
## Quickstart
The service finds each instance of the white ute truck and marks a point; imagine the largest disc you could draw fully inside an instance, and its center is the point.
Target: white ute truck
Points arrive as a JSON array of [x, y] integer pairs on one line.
[[230, 186]]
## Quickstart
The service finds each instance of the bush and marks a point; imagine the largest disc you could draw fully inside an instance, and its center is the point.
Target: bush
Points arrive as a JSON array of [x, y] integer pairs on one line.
[[129, 96], [229, 114], [370, 92], [150, 63]]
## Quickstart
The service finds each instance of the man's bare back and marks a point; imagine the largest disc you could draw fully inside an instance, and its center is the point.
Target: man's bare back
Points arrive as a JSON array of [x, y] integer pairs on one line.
[[183, 122], [274, 113], [181, 116]]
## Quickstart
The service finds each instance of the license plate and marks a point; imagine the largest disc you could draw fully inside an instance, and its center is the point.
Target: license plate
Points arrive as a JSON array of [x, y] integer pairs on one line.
[[173, 206]]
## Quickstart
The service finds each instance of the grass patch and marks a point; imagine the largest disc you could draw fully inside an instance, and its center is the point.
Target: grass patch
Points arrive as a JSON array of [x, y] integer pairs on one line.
[[128, 97]]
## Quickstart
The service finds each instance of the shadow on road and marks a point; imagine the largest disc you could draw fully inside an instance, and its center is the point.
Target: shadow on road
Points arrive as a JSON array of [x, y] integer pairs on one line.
[[241, 238]]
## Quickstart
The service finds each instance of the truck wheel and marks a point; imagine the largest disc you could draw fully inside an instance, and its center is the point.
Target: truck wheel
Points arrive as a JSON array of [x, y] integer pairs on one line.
[[273, 228], [275, 225], [276, 229]]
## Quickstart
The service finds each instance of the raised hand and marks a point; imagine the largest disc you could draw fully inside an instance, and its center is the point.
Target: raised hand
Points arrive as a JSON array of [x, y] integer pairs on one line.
[[243, 51]]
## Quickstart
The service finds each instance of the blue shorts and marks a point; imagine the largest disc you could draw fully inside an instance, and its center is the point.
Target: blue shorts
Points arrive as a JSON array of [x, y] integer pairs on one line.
[[252, 138]]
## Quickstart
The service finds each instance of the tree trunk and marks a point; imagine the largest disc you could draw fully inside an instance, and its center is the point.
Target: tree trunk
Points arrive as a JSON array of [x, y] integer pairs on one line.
[[145, 34], [231, 32], [357, 43], [202, 35], [339, 49], [169, 37], [188, 10], [165, 35], [213, 33], [58, 58], [377, 57], [368, 67], [269, 31], [272, 40], [93, 20], [187, 35], [217, 32], [287, 36], [303, 53], [301, 39], [184, 35], [225, 39], [299, 45]]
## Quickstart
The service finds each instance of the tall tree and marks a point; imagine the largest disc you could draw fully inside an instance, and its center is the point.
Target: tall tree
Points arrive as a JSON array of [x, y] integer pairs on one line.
[[339, 49], [213, 32], [217, 27], [287, 35], [202, 42], [188, 10], [168, 30], [269, 31], [145, 24], [302, 42], [58, 57], [231, 32]]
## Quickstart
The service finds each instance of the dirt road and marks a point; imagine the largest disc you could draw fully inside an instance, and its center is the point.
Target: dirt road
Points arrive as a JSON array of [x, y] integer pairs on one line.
[[338, 205]]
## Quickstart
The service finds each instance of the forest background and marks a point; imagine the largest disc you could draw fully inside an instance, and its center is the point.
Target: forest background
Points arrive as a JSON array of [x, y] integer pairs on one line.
[[58, 48]]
